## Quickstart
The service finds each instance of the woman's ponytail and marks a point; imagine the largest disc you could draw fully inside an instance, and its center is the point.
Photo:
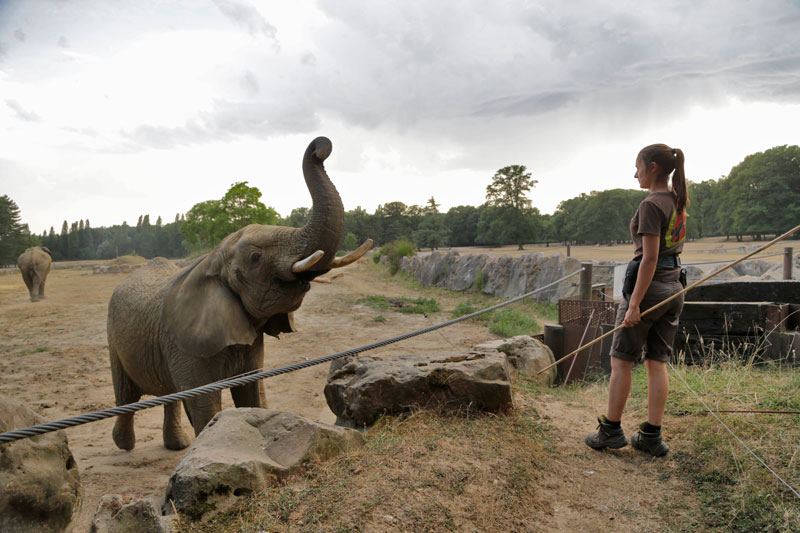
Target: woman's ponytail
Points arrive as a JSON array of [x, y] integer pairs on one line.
[[679, 188]]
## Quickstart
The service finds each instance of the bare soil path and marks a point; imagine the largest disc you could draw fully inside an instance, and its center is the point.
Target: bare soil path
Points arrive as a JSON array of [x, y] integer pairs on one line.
[[53, 357]]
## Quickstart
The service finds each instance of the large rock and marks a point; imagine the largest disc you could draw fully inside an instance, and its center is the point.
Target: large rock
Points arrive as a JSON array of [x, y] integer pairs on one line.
[[526, 355], [500, 276], [40, 488], [242, 451], [118, 513], [361, 389]]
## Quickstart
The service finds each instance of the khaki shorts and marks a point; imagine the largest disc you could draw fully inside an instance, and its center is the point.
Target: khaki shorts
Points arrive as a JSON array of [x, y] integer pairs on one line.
[[656, 331]]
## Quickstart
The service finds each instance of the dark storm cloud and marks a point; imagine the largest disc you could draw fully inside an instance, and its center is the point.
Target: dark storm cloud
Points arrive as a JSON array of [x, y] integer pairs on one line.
[[22, 114], [404, 64], [226, 121], [533, 104], [247, 17]]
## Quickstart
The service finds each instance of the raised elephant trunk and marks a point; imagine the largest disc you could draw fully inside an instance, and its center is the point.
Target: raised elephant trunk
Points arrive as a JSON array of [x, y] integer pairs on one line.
[[324, 230]]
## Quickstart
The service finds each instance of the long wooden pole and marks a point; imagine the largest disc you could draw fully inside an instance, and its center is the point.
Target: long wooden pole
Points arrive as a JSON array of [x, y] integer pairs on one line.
[[684, 291]]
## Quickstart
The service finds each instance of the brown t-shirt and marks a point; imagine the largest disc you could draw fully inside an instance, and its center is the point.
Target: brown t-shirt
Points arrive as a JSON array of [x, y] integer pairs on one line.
[[658, 215]]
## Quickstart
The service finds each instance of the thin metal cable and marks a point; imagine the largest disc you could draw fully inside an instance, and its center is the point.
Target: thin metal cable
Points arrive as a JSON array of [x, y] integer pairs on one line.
[[699, 399], [131, 408]]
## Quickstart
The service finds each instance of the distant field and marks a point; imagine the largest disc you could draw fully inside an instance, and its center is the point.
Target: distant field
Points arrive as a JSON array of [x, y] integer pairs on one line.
[[709, 249]]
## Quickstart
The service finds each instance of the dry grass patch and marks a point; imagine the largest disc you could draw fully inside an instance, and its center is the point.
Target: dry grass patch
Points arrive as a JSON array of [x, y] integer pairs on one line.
[[427, 472]]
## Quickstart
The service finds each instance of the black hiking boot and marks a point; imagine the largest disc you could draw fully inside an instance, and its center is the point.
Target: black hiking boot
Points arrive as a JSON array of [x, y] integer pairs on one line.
[[649, 442], [606, 436]]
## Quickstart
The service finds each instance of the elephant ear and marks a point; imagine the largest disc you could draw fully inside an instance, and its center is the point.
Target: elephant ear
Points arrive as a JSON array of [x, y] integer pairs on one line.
[[46, 250], [202, 314], [280, 323]]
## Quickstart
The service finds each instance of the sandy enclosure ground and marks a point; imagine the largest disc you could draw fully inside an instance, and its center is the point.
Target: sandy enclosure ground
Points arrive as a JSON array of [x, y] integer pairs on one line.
[[53, 357]]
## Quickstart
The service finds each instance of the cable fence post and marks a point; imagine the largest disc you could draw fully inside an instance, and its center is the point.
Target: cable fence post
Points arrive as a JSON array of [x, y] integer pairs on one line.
[[787, 262], [586, 281]]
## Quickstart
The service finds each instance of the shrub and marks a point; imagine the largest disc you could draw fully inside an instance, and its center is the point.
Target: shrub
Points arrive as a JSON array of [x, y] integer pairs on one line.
[[395, 251], [480, 280], [510, 322], [464, 308]]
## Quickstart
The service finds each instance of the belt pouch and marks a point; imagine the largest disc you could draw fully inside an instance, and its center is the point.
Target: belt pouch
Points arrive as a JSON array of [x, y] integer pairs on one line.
[[629, 283]]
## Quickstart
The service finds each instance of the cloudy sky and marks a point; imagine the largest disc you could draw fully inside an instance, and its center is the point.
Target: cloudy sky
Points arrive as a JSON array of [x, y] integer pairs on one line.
[[113, 109]]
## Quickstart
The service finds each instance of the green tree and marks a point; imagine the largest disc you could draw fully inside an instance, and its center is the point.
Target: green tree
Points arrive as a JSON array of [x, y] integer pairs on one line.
[[764, 194], [350, 242], [431, 206], [298, 218], [207, 223], [508, 192], [432, 231], [462, 225], [14, 235]]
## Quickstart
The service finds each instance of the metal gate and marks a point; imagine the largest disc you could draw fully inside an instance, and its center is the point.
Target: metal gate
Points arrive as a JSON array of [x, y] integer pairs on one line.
[[574, 316]]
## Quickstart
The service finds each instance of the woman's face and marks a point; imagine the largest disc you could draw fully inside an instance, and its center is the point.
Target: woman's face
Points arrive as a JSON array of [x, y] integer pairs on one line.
[[646, 174]]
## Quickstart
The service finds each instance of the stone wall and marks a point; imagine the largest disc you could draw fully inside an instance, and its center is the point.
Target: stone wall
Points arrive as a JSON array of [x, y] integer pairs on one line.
[[501, 276]]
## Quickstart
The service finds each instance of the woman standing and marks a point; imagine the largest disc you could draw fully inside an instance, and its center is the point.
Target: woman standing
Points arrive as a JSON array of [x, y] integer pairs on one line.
[[658, 230]]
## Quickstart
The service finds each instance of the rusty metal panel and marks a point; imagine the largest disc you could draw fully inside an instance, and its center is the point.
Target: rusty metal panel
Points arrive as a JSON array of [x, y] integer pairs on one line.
[[574, 316], [579, 311]]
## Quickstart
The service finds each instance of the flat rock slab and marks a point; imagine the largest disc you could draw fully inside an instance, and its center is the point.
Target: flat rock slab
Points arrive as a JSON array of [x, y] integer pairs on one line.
[[242, 451], [361, 389], [40, 488]]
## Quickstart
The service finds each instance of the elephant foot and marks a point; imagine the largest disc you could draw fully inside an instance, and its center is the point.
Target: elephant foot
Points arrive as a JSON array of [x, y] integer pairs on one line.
[[176, 439], [124, 437]]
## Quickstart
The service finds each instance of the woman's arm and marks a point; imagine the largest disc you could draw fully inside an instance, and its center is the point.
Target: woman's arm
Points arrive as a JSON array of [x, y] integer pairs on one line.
[[646, 270]]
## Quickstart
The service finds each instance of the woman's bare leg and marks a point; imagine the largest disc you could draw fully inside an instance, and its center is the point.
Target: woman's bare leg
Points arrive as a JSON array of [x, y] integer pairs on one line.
[[619, 387]]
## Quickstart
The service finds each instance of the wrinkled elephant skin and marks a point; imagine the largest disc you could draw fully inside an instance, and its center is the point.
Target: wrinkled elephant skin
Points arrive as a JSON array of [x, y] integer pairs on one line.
[[171, 330], [34, 263]]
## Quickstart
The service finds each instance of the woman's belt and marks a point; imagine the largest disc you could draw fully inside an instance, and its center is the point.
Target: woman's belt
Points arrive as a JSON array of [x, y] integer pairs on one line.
[[670, 260], [666, 260]]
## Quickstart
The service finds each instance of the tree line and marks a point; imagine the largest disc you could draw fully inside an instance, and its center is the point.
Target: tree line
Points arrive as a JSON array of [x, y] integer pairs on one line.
[[759, 197]]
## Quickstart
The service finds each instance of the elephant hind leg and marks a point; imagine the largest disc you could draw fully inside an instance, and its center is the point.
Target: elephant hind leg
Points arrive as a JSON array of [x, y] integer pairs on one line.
[[250, 395], [35, 289], [175, 438], [125, 391]]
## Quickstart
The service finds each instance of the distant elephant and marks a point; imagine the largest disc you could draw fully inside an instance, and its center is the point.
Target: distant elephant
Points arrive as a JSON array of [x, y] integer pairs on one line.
[[34, 263], [171, 330]]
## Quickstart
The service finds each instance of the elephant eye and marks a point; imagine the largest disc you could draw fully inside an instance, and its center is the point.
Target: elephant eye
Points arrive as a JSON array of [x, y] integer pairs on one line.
[[255, 257]]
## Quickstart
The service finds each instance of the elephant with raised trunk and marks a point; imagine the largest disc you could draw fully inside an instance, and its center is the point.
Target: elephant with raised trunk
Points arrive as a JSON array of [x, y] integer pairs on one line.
[[34, 263], [170, 330]]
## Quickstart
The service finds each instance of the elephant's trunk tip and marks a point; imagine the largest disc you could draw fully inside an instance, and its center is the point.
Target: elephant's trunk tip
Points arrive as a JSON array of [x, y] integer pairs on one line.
[[322, 148]]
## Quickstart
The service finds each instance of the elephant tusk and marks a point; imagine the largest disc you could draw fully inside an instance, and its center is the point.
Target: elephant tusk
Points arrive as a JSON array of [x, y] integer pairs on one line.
[[308, 262], [353, 256]]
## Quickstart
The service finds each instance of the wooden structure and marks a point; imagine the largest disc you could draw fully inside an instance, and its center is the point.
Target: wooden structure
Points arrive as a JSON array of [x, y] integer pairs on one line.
[[749, 318]]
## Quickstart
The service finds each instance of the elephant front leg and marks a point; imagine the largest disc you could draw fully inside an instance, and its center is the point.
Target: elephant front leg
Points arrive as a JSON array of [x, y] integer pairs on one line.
[[175, 438], [125, 392]]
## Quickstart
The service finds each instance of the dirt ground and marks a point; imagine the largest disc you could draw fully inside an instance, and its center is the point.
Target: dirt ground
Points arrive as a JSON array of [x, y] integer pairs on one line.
[[53, 357]]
